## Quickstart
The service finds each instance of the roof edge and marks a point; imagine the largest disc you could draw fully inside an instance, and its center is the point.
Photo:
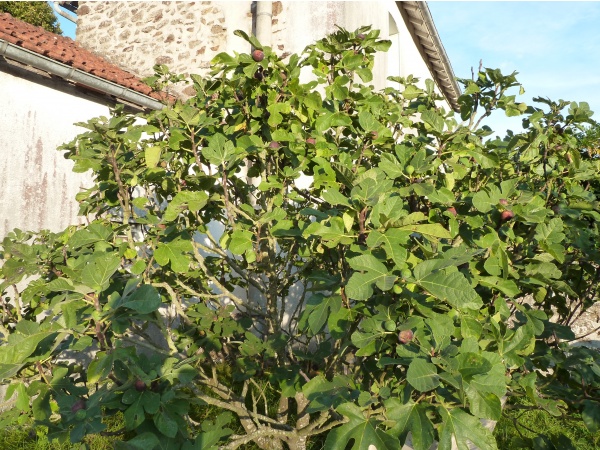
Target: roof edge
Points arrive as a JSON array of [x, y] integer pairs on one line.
[[419, 22], [24, 56]]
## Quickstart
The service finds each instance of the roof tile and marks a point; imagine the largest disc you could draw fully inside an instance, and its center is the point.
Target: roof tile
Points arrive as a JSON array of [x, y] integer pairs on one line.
[[67, 51]]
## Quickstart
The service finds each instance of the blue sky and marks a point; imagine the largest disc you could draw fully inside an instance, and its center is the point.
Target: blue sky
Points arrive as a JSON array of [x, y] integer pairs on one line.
[[67, 27], [555, 47]]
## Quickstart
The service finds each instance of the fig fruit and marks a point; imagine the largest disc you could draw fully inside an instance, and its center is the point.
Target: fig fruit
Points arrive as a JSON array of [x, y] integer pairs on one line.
[[311, 141], [410, 170], [452, 210], [258, 55], [506, 215], [274, 144], [78, 405], [405, 336], [139, 385]]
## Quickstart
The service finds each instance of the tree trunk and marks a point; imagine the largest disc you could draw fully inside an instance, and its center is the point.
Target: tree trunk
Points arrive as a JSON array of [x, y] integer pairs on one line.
[[299, 442]]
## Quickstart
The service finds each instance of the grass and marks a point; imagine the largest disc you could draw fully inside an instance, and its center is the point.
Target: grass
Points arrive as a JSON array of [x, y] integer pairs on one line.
[[24, 438], [20, 439], [522, 428]]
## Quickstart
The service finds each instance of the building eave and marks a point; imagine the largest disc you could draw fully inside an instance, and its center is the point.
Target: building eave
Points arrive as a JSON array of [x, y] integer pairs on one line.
[[420, 25], [24, 56]]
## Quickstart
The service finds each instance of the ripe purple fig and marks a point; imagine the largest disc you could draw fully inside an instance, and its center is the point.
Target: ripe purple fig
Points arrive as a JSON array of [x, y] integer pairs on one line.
[[139, 385], [258, 55], [405, 336], [274, 144], [311, 141], [452, 210], [506, 215], [360, 36], [78, 405], [503, 201]]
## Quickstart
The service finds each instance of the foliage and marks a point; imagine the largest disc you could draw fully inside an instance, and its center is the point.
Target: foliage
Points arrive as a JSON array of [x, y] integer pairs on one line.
[[25, 438], [36, 13], [524, 426], [311, 258]]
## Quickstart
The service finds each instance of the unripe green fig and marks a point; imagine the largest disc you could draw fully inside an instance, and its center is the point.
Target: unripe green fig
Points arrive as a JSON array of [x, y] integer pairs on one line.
[[410, 170]]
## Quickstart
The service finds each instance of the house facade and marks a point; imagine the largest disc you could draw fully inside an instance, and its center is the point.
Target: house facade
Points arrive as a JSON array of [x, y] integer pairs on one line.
[[187, 35], [47, 84]]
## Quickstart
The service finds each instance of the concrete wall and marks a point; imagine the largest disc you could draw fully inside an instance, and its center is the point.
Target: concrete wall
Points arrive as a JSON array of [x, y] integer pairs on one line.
[[187, 35], [37, 186]]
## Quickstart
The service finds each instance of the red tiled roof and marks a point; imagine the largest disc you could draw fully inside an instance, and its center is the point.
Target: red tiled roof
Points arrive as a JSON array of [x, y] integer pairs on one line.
[[69, 52]]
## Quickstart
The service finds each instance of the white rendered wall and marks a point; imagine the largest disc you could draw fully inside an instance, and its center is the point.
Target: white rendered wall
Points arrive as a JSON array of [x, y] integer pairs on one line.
[[37, 186]]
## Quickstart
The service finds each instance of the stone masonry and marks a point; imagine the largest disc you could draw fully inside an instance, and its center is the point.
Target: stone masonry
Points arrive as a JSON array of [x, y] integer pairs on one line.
[[186, 36]]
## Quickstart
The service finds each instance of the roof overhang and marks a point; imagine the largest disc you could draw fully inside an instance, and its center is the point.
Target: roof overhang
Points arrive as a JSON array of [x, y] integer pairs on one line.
[[51, 66], [420, 25]]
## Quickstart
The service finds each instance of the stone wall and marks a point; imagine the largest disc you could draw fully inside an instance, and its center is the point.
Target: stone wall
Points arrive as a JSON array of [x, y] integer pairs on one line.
[[187, 35], [183, 35]]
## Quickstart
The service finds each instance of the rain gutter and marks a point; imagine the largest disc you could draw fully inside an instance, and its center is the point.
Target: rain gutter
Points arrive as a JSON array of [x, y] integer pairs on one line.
[[24, 56], [420, 24], [264, 22], [67, 16]]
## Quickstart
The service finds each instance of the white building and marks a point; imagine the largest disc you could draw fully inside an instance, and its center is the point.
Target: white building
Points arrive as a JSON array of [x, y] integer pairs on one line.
[[48, 82]]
